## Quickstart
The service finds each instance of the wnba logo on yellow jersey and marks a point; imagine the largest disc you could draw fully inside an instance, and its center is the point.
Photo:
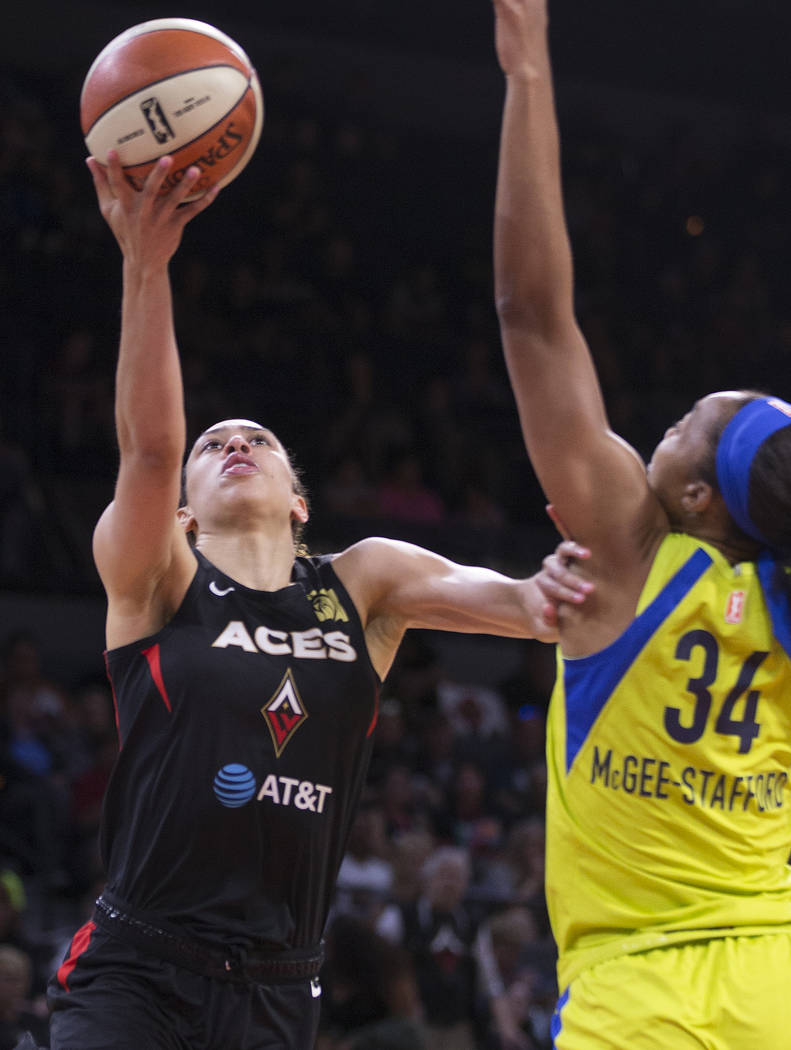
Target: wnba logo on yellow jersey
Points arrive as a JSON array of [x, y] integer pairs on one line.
[[734, 607]]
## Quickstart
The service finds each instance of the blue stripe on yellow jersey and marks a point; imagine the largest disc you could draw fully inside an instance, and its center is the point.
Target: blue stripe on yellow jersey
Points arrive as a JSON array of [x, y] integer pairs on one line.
[[668, 813]]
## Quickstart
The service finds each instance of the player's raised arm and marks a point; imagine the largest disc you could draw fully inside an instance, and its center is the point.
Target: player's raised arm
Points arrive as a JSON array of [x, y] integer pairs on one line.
[[135, 538], [397, 586], [596, 482]]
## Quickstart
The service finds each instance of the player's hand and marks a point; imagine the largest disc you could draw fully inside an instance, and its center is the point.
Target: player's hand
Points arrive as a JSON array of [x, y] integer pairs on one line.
[[520, 34], [147, 225], [559, 581]]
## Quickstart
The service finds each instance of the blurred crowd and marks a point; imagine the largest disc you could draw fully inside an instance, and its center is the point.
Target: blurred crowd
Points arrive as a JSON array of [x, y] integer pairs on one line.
[[340, 291]]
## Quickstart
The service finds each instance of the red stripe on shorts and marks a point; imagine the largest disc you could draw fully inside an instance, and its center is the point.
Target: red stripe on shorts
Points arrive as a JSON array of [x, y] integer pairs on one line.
[[79, 942]]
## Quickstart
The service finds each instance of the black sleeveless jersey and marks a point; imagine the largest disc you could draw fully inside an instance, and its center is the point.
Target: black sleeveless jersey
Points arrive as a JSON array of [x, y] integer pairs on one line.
[[246, 729]]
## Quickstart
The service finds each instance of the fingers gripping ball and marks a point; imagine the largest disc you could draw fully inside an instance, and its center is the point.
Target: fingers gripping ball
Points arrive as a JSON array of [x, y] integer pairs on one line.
[[173, 86]]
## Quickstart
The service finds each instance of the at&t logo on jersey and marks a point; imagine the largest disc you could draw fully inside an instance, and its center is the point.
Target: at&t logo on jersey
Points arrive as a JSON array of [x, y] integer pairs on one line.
[[234, 786]]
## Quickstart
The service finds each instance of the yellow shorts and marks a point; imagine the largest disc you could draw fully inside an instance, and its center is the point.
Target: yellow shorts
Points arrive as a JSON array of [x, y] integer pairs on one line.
[[727, 993]]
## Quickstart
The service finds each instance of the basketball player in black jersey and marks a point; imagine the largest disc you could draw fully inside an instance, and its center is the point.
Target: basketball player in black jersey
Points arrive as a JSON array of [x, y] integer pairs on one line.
[[245, 681]]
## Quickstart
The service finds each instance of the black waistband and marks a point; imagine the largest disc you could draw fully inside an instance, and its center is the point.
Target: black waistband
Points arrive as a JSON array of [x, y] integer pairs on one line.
[[249, 967]]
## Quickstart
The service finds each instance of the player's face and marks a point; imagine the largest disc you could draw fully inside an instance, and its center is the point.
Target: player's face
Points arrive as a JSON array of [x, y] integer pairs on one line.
[[239, 458], [680, 457]]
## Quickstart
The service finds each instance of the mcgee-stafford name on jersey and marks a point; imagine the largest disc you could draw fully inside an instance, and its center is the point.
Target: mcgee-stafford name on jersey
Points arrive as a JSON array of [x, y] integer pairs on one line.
[[644, 776]]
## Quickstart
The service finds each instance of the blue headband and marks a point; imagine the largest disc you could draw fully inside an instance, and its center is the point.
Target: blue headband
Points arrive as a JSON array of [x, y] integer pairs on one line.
[[737, 447]]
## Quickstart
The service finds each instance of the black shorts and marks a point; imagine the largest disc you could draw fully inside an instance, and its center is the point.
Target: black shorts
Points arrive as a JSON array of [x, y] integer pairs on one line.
[[110, 994]]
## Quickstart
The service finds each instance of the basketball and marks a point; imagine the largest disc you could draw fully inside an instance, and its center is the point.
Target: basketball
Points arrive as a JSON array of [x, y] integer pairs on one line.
[[173, 86]]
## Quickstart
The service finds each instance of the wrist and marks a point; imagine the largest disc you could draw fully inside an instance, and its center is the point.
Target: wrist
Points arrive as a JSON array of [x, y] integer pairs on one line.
[[141, 272]]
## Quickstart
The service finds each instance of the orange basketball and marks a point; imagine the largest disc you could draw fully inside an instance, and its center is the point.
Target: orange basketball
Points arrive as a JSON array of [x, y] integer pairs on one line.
[[175, 86]]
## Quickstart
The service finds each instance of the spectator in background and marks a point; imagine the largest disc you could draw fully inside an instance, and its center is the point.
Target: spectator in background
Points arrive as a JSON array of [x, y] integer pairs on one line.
[[76, 396], [29, 836], [468, 819], [13, 902], [476, 712], [370, 996], [417, 306], [404, 808], [21, 505], [515, 769], [438, 934], [415, 674], [516, 972], [347, 492], [404, 495], [365, 877], [394, 744], [520, 872], [438, 752], [17, 1015], [363, 423], [31, 705], [409, 852], [33, 797], [95, 739], [440, 436], [19, 930]]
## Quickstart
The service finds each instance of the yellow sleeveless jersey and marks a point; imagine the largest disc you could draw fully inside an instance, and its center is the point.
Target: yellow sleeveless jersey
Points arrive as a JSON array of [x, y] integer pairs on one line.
[[668, 812]]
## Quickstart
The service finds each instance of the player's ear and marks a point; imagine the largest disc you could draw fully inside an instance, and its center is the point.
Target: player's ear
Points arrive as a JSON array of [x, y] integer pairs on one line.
[[187, 520], [299, 508], [696, 497]]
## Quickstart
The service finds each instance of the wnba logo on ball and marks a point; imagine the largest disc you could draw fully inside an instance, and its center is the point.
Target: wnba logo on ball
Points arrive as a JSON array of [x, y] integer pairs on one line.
[[234, 785], [156, 119]]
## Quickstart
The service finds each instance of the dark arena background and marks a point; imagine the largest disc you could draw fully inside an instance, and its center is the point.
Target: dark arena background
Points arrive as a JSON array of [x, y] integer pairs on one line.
[[341, 291]]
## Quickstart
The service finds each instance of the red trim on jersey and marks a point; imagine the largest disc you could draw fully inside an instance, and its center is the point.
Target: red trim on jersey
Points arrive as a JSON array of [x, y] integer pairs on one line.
[[79, 942], [375, 718], [152, 655], [115, 700]]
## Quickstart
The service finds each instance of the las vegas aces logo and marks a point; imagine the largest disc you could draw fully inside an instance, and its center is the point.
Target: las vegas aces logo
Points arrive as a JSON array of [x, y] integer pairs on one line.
[[284, 713]]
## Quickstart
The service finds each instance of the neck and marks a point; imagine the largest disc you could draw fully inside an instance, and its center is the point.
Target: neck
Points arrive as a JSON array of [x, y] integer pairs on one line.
[[735, 549], [257, 560]]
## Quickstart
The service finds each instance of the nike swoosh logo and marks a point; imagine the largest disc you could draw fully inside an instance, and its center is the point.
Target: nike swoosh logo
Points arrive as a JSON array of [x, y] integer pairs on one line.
[[220, 593]]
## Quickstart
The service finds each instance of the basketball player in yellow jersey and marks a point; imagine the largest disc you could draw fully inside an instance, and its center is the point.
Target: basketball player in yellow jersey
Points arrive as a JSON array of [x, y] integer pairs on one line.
[[669, 746]]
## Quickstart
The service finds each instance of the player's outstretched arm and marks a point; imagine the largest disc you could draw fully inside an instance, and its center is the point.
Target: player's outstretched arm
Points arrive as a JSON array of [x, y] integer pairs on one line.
[[396, 586], [134, 539], [593, 478]]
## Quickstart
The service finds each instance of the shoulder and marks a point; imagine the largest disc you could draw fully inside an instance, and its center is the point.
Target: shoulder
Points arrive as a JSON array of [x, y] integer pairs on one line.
[[361, 569], [372, 558], [379, 566]]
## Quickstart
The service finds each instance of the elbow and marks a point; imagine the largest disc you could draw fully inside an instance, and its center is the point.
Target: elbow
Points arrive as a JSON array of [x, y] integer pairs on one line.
[[522, 313], [512, 309]]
